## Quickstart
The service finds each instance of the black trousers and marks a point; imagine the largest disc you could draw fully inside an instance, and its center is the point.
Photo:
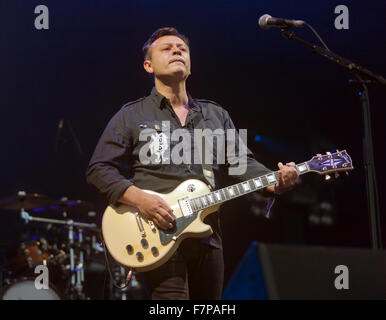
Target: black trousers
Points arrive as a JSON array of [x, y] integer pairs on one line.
[[195, 272]]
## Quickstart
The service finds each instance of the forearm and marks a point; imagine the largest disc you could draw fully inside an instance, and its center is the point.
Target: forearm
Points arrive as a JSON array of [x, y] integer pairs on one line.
[[132, 196]]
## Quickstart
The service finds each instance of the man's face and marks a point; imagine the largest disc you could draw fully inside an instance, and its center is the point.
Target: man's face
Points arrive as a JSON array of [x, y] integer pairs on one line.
[[170, 58]]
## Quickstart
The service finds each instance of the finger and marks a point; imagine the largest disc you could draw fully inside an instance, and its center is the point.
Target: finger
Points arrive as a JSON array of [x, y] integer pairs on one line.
[[166, 206], [295, 174], [157, 221], [290, 164], [162, 223], [283, 178], [169, 211], [165, 216], [292, 176], [280, 165], [288, 176]]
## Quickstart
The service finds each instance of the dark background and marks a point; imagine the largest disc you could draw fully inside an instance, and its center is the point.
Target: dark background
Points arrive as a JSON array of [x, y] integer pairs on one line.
[[89, 63]]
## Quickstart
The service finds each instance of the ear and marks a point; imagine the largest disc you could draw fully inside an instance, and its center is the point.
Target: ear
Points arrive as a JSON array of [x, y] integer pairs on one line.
[[148, 66]]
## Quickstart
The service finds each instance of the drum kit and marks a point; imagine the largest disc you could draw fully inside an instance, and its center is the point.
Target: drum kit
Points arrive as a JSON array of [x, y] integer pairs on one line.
[[69, 249]]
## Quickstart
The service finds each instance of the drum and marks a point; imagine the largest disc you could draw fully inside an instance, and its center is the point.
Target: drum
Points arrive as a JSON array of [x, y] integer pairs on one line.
[[28, 255], [25, 289]]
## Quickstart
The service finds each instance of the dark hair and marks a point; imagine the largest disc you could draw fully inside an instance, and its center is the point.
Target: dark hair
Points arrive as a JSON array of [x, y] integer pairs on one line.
[[167, 31]]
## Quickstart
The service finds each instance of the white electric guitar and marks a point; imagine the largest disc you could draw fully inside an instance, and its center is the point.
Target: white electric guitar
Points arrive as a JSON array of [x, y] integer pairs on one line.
[[138, 243]]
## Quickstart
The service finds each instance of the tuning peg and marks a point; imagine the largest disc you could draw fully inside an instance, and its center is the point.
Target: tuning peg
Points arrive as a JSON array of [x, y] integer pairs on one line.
[[328, 153], [336, 175], [337, 150], [327, 177]]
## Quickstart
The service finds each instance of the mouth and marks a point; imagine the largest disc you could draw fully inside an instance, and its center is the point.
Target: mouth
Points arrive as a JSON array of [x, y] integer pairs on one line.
[[177, 60]]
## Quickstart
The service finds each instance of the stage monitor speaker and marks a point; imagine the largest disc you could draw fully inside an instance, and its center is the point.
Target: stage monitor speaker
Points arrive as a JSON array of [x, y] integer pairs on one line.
[[271, 271]]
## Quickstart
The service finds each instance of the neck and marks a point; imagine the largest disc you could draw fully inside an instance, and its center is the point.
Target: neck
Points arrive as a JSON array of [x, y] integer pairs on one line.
[[174, 91]]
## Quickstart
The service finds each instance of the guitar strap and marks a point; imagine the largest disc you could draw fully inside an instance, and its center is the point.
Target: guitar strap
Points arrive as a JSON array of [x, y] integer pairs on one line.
[[207, 169]]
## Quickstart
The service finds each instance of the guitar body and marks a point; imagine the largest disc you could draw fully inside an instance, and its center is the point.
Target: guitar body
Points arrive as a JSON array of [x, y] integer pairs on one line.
[[121, 228]]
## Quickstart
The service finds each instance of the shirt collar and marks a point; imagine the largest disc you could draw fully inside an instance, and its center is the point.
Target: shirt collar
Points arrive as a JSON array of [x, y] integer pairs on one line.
[[161, 100]]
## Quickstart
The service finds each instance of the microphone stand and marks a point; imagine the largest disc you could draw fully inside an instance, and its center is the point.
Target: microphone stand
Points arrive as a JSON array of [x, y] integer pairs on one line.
[[371, 185]]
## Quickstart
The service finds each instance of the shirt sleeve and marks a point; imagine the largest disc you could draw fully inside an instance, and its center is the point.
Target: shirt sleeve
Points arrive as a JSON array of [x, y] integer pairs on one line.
[[241, 162], [108, 169]]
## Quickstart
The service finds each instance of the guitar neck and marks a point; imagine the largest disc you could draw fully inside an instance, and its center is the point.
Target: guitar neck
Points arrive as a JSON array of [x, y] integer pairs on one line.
[[240, 189]]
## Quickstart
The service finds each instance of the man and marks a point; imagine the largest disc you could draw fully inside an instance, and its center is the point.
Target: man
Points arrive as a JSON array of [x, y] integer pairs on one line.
[[196, 270]]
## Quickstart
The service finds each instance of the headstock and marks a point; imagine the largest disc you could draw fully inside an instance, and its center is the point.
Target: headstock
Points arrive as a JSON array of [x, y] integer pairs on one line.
[[331, 163]]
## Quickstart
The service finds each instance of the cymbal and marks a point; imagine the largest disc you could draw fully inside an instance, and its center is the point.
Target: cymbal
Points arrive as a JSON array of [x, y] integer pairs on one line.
[[27, 201], [77, 207]]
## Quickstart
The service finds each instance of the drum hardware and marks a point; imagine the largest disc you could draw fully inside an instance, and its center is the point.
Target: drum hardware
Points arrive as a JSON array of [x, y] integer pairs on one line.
[[70, 249], [76, 250]]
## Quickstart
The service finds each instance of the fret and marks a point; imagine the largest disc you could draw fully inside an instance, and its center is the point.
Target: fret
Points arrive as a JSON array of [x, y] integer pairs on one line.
[[251, 185], [302, 168], [231, 192], [246, 186], [193, 205], [210, 197], [236, 189], [207, 199], [203, 200], [227, 195], [258, 183], [264, 181], [197, 201], [271, 178], [223, 195], [218, 196]]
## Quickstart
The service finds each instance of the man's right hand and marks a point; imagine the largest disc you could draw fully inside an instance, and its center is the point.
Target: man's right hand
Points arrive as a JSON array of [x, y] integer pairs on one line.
[[150, 206]]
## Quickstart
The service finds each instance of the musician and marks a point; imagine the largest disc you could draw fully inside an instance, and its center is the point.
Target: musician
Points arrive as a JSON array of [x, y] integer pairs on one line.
[[196, 270]]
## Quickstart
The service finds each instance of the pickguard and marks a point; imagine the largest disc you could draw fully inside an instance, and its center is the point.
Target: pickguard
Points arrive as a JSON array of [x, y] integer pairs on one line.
[[180, 224]]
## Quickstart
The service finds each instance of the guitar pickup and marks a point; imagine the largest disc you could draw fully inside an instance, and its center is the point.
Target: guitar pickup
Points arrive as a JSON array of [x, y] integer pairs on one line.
[[185, 206]]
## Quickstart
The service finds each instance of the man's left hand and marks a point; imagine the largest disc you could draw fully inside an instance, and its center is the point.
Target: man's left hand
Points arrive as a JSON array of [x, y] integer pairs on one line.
[[288, 178]]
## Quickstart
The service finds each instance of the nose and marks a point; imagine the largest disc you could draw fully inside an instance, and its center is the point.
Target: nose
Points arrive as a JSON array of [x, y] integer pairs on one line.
[[176, 50]]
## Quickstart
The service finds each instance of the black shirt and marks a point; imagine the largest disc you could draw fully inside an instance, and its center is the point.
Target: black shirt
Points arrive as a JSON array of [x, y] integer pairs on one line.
[[115, 164]]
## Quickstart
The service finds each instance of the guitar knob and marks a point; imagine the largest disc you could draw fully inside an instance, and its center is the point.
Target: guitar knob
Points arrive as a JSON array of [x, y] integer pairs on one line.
[[144, 243], [346, 173], [129, 249], [154, 251], [139, 256], [327, 177]]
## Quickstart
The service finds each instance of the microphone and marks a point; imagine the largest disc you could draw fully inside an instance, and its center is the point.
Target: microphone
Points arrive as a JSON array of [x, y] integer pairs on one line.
[[266, 22]]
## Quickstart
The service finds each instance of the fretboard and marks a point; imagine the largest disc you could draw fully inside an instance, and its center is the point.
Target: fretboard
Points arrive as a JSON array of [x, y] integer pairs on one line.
[[240, 189]]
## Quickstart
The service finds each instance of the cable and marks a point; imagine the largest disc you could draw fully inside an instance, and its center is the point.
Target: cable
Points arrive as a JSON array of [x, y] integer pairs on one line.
[[317, 35], [129, 274]]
